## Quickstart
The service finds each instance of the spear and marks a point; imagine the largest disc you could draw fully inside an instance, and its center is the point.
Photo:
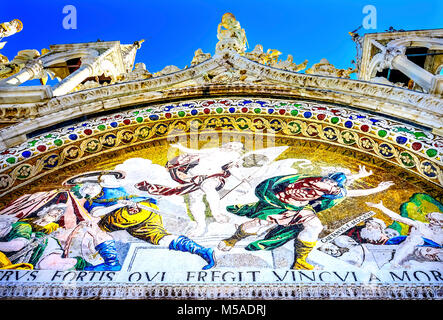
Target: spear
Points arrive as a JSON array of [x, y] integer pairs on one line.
[[252, 174]]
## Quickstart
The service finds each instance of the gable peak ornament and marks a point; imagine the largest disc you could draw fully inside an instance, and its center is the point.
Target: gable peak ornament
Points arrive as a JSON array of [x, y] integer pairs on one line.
[[230, 35]]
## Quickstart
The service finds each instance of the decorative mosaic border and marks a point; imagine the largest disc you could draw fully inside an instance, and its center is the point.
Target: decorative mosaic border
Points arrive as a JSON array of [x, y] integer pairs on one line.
[[409, 147], [249, 292]]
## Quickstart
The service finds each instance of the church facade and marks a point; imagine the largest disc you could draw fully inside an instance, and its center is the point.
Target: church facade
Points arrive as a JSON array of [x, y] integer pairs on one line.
[[242, 176]]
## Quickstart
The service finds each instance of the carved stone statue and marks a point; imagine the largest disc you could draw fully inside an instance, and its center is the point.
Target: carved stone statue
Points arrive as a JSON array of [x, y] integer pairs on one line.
[[3, 59], [139, 73], [229, 27], [230, 34], [199, 57], [8, 69], [346, 73], [257, 54], [289, 64], [167, 70], [22, 58], [9, 28], [327, 69], [271, 57], [227, 74]]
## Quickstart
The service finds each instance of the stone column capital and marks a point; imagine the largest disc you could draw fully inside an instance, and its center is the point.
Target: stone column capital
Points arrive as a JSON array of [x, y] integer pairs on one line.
[[392, 52], [36, 69]]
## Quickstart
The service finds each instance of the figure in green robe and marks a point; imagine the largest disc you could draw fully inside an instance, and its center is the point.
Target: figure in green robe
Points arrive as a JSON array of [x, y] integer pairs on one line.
[[288, 206]]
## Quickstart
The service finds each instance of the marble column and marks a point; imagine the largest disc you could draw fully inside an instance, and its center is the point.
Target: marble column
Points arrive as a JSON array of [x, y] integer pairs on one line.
[[419, 75], [395, 58], [70, 82]]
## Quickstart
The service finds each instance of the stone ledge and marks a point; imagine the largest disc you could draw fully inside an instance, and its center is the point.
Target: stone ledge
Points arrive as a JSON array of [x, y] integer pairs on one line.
[[202, 292], [24, 94]]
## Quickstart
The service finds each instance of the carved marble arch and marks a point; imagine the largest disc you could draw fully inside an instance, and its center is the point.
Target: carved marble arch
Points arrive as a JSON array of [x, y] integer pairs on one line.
[[51, 59], [325, 134], [374, 65], [411, 41], [424, 42]]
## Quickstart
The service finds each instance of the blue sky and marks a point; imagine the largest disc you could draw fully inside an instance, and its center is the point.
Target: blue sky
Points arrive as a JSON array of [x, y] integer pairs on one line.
[[173, 30]]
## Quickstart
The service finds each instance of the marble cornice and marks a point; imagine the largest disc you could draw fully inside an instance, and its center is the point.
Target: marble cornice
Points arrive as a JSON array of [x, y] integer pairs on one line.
[[422, 109]]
